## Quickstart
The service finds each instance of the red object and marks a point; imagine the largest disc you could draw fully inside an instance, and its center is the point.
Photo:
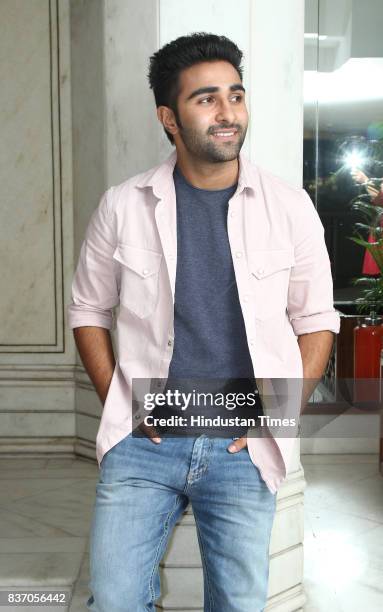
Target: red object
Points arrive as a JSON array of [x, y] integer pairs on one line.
[[369, 264], [367, 346]]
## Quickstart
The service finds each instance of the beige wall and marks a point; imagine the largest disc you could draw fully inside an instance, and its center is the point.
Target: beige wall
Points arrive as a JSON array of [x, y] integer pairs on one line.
[[36, 356]]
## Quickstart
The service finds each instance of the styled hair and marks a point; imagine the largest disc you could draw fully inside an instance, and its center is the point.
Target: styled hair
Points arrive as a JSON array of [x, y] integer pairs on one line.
[[167, 63]]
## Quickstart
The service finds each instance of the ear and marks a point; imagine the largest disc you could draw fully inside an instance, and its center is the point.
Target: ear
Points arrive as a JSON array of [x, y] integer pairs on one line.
[[167, 118]]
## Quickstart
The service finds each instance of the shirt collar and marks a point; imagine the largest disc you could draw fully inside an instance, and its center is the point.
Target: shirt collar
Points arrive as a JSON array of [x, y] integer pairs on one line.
[[160, 178]]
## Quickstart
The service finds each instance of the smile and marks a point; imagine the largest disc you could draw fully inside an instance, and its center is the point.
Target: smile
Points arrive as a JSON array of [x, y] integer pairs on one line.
[[225, 134]]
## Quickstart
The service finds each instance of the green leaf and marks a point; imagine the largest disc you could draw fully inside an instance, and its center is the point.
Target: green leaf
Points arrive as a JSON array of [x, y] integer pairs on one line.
[[367, 280]]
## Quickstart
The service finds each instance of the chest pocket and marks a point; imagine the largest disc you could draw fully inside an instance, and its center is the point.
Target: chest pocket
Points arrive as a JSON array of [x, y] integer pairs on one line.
[[139, 278], [269, 278]]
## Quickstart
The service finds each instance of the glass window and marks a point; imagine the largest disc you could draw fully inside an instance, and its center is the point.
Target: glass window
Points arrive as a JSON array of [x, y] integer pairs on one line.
[[343, 131]]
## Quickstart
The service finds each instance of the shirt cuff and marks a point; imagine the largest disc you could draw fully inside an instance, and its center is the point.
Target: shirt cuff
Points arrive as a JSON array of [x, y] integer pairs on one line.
[[78, 316], [322, 321]]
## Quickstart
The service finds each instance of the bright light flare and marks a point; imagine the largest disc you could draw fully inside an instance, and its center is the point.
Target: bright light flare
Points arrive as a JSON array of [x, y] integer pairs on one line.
[[354, 160]]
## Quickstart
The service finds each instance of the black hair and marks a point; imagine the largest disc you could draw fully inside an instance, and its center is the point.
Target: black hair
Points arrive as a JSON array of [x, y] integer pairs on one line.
[[166, 64]]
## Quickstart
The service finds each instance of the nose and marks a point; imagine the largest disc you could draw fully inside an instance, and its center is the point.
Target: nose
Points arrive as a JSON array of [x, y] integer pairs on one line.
[[225, 112]]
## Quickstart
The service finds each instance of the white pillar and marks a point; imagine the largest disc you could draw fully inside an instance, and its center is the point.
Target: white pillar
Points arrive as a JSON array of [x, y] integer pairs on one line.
[[276, 82], [270, 33], [131, 126]]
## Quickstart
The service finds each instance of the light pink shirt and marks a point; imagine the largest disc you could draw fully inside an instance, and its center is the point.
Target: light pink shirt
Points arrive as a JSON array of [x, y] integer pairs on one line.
[[128, 259]]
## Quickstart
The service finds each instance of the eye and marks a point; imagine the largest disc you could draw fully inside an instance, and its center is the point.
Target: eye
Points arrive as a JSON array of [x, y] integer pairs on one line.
[[206, 99], [237, 97]]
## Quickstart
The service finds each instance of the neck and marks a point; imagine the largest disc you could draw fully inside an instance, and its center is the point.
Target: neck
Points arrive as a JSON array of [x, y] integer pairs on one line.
[[205, 175]]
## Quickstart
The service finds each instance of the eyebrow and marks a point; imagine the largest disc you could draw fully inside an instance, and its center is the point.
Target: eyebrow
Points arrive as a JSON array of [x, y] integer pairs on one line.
[[205, 90]]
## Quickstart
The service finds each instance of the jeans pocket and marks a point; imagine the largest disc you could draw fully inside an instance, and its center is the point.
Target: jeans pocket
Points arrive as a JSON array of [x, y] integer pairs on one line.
[[114, 448]]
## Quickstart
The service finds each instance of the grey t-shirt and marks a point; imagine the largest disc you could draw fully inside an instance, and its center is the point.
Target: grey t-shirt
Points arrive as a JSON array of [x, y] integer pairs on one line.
[[210, 343]]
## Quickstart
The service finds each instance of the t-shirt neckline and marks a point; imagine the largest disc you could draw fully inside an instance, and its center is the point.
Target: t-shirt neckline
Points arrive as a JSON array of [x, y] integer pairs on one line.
[[209, 191]]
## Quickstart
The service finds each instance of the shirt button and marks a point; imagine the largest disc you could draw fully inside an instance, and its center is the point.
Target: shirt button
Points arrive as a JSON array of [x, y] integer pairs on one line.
[[170, 342], [251, 342], [246, 298], [232, 214], [145, 271], [238, 254], [260, 270]]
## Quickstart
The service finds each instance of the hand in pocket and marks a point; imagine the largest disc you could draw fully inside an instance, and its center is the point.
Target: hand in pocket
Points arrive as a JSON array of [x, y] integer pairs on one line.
[[150, 432]]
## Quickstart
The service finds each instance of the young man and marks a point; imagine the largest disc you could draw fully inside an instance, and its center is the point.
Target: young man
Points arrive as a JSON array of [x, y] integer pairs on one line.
[[217, 267]]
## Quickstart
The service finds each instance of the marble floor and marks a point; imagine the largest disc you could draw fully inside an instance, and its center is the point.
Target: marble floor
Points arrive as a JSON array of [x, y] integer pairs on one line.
[[343, 533], [45, 508]]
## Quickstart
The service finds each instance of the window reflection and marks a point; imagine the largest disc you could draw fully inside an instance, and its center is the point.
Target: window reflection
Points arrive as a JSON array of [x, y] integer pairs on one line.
[[343, 131]]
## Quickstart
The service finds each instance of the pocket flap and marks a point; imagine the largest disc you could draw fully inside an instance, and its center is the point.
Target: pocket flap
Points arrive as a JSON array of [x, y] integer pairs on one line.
[[143, 262], [264, 262]]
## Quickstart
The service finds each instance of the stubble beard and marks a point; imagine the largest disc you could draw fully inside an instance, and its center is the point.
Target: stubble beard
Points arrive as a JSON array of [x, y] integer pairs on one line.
[[203, 148]]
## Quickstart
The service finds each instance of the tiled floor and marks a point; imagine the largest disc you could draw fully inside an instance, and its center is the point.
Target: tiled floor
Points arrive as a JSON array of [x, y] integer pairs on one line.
[[343, 533], [45, 508]]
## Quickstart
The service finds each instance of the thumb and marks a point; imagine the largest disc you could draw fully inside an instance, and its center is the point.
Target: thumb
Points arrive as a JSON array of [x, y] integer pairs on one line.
[[237, 445]]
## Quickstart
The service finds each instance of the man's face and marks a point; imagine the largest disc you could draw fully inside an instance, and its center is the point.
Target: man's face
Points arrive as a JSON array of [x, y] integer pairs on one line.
[[212, 113]]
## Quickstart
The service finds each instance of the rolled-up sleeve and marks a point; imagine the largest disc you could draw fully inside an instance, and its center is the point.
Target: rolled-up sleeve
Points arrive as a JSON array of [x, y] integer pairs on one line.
[[310, 295], [95, 284]]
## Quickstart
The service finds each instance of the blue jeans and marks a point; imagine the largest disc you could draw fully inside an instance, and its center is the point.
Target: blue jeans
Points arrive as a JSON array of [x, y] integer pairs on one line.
[[143, 490]]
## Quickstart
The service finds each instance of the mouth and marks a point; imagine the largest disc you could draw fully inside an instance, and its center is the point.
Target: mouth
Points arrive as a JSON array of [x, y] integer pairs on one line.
[[225, 134]]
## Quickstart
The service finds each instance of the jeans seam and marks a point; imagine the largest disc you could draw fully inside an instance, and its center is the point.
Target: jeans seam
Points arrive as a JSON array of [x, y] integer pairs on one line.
[[200, 470], [204, 562], [166, 529]]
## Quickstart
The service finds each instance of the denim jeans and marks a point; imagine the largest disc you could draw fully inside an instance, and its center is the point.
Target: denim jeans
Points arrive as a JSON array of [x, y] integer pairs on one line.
[[143, 490]]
